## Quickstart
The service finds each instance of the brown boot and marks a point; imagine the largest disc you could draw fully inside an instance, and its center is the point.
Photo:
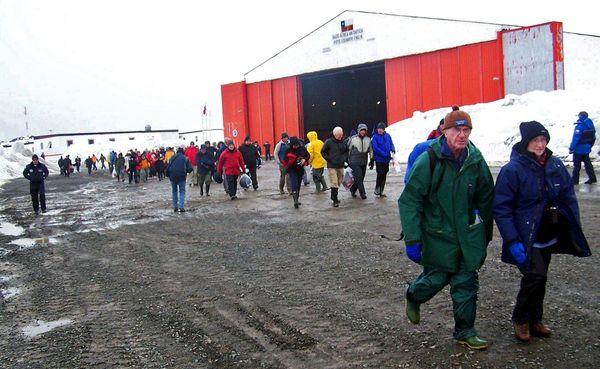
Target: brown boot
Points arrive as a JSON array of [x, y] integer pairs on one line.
[[539, 329], [522, 331]]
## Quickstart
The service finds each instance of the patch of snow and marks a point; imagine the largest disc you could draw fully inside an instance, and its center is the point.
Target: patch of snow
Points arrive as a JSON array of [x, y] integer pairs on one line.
[[40, 327], [10, 292], [10, 229]]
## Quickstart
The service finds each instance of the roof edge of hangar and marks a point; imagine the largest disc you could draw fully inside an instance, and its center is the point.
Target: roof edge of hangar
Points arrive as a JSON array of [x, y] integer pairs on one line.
[[277, 67]]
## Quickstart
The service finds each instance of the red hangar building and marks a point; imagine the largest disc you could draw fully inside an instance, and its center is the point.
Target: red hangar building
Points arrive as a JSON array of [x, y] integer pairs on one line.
[[363, 67]]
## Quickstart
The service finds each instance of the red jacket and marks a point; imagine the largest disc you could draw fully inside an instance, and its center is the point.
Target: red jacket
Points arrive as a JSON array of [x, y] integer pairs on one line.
[[292, 157], [190, 153], [434, 134], [231, 163]]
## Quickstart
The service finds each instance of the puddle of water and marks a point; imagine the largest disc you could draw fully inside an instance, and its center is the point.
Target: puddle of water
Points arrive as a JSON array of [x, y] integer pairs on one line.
[[41, 326], [10, 292], [10, 229]]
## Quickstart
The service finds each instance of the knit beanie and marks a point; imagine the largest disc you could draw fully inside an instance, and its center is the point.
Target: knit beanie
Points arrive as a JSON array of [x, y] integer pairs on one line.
[[362, 126], [530, 130], [457, 118], [381, 125]]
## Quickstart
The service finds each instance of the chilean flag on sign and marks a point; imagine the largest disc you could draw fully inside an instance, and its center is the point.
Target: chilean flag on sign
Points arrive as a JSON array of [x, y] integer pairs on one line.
[[347, 25]]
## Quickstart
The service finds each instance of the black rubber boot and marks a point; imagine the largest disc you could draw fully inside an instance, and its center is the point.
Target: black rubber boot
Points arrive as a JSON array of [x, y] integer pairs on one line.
[[207, 189], [381, 188], [334, 197], [296, 195]]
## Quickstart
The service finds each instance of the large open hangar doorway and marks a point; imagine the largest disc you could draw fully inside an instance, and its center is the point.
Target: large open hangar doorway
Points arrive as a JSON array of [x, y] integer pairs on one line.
[[345, 98]]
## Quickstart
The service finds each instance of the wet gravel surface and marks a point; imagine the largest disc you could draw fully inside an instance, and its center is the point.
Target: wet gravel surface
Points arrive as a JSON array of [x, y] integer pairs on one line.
[[255, 283]]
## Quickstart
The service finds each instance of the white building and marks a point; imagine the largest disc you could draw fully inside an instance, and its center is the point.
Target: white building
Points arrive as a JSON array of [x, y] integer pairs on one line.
[[202, 135], [88, 143]]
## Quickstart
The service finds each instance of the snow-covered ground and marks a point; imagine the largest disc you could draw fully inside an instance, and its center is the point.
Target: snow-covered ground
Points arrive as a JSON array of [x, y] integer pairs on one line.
[[495, 128], [496, 124]]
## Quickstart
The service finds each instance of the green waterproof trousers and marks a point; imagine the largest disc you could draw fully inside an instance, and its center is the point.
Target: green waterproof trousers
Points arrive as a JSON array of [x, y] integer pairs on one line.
[[464, 287]]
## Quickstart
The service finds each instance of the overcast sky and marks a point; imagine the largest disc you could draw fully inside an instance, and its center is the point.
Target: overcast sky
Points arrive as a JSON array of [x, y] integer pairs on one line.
[[86, 65]]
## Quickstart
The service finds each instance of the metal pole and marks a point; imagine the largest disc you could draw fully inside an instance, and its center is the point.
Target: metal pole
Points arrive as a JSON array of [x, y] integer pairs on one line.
[[26, 123]]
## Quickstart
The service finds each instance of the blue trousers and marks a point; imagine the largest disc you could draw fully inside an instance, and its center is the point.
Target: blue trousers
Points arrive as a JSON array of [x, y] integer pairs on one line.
[[295, 179], [178, 187]]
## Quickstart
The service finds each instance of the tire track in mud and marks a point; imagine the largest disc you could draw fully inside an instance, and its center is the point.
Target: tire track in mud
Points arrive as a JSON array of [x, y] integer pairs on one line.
[[214, 330], [273, 291], [140, 308], [174, 316], [175, 331]]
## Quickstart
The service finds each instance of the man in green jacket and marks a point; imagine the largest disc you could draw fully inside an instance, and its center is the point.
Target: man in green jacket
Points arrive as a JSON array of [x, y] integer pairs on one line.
[[445, 211]]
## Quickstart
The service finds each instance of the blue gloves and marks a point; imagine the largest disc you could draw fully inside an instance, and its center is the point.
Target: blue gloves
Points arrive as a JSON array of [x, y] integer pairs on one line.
[[413, 252], [518, 252]]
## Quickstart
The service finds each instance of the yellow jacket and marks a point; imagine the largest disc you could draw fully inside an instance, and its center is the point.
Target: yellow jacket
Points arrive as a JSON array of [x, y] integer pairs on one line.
[[168, 155], [314, 149]]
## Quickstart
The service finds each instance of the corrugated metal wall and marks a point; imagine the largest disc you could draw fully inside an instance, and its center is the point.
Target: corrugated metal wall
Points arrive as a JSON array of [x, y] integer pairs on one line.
[[273, 107], [235, 110], [559, 55], [286, 107], [533, 58], [260, 110], [463, 75]]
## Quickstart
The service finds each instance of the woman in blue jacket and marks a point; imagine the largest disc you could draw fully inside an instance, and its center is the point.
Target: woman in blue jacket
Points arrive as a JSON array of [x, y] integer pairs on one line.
[[537, 214]]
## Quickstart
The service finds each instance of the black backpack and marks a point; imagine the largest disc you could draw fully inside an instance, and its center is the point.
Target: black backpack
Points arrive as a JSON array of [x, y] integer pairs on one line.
[[588, 137]]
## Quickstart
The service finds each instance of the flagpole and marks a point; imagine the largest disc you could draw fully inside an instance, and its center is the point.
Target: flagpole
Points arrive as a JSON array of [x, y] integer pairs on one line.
[[204, 122], [26, 123]]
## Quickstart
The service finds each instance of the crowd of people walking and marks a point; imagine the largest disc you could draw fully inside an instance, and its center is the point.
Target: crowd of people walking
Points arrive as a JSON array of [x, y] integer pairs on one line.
[[447, 207]]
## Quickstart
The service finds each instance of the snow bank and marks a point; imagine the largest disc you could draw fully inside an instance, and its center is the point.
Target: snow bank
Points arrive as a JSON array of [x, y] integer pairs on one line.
[[496, 124], [13, 161]]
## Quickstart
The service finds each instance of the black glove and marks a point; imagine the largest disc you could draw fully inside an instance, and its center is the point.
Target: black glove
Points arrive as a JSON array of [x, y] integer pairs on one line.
[[371, 164]]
